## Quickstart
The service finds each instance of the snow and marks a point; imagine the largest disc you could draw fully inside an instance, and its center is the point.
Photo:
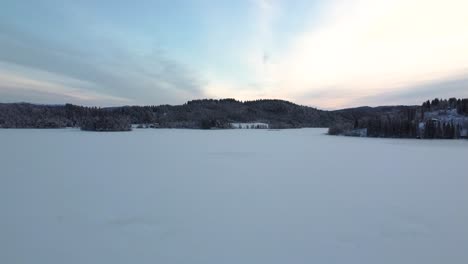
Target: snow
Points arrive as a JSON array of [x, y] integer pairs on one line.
[[253, 125], [447, 116], [230, 196]]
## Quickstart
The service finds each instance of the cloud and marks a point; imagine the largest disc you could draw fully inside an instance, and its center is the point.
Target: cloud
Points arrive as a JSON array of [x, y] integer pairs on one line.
[[103, 61], [374, 46], [362, 48], [334, 54], [253, 54], [456, 86], [19, 84]]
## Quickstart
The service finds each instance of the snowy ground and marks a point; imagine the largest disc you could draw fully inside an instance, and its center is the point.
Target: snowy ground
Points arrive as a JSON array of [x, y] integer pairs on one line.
[[230, 196]]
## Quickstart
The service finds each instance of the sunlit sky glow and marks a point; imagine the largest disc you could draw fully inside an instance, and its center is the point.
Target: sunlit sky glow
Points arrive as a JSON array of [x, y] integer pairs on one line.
[[329, 54]]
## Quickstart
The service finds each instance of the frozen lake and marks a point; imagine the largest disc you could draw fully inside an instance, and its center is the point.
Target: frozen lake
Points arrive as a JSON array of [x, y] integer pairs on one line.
[[230, 196]]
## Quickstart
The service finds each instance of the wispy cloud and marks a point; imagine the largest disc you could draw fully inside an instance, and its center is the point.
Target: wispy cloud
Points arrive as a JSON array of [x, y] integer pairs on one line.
[[108, 64], [368, 47], [19, 84], [456, 86], [376, 46], [254, 55], [324, 53]]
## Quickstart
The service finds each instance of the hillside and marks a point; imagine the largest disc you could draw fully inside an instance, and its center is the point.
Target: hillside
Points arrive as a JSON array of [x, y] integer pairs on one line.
[[432, 119], [206, 113], [439, 118]]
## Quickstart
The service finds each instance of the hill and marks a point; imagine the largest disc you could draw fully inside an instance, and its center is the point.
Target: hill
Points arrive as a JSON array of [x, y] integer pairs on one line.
[[206, 113], [439, 118], [433, 119]]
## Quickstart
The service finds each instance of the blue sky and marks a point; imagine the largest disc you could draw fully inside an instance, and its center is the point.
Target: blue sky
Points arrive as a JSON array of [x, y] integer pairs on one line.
[[328, 54]]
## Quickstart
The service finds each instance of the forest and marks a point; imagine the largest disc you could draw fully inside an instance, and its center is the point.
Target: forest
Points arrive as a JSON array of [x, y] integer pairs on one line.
[[437, 118], [198, 114]]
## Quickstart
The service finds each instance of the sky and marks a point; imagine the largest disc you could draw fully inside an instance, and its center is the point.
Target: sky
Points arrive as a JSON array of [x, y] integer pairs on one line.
[[329, 54]]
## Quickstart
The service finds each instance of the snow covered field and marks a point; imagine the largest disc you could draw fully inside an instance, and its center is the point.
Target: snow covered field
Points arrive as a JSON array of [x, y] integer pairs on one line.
[[230, 196]]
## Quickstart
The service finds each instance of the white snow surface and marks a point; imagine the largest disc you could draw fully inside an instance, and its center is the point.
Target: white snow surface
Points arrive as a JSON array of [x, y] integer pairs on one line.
[[254, 125], [230, 196]]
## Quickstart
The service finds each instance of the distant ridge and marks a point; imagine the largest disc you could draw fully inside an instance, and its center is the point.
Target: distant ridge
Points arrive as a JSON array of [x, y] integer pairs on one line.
[[381, 121], [203, 113]]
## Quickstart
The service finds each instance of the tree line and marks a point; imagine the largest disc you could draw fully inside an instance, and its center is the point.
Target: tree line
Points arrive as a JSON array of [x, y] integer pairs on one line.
[[461, 105], [199, 114], [437, 118]]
